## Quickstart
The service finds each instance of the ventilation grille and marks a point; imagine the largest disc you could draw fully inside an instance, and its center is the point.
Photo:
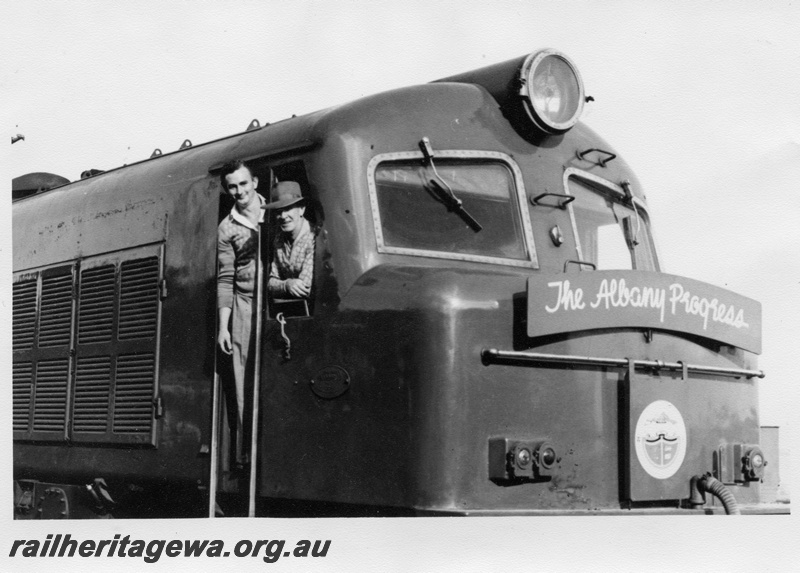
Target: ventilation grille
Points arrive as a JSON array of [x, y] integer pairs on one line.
[[138, 300], [84, 339], [133, 399], [92, 384], [50, 402], [24, 311], [55, 319], [22, 383], [96, 311]]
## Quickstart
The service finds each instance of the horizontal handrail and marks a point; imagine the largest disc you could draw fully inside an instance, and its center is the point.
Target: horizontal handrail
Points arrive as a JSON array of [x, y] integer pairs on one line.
[[494, 355], [566, 199]]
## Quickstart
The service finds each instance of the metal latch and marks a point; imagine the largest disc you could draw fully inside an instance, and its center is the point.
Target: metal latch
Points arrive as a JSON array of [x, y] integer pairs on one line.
[[287, 344]]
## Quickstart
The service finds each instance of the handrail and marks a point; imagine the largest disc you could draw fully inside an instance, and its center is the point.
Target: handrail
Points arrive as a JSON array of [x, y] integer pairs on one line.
[[567, 199], [574, 262], [602, 162], [492, 355], [213, 478], [251, 504]]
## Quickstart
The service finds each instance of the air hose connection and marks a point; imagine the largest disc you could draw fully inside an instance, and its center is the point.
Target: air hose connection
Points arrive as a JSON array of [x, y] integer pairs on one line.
[[707, 483]]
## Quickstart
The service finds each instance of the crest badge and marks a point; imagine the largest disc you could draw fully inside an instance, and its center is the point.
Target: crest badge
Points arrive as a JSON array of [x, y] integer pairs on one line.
[[660, 439]]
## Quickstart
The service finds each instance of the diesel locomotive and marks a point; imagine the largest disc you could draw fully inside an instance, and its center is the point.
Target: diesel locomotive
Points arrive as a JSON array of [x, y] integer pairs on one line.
[[490, 331]]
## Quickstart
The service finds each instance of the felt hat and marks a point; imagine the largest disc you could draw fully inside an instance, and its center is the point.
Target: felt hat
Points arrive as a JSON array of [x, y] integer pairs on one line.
[[285, 193]]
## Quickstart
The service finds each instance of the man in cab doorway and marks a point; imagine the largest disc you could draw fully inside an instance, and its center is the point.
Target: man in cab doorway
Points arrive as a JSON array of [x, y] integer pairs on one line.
[[237, 253]]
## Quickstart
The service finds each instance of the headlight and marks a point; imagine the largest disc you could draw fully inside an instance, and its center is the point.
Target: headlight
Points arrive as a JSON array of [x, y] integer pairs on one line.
[[552, 91]]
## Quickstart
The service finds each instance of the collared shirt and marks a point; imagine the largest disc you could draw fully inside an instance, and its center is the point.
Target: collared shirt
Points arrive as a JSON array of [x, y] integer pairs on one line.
[[292, 260], [237, 249]]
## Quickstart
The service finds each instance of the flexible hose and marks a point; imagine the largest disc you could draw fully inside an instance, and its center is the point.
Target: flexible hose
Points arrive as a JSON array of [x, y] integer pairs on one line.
[[716, 488]]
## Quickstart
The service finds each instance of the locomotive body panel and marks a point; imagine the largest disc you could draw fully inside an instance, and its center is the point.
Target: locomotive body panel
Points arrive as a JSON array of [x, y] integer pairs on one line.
[[170, 213], [424, 406]]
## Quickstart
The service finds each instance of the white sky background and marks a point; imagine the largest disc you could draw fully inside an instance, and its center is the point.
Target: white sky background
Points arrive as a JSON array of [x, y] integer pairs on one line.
[[701, 98]]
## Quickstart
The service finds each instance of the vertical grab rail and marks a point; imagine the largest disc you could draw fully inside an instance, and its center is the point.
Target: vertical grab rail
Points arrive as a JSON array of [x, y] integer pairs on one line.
[[214, 460], [251, 508]]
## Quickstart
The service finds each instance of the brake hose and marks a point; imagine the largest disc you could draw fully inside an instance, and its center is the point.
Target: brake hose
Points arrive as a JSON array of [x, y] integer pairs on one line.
[[716, 488]]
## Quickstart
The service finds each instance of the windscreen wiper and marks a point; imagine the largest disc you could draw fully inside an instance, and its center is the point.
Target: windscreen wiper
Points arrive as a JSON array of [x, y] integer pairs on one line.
[[630, 233], [455, 205], [443, 190]]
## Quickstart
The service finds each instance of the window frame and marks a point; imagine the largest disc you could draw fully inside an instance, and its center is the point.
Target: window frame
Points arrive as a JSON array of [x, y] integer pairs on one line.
[[494, 156], [291, 308], [614, 192]]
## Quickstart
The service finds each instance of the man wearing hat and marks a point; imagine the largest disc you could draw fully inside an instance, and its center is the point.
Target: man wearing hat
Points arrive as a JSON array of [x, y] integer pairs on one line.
[[237, 251], [292, 268]]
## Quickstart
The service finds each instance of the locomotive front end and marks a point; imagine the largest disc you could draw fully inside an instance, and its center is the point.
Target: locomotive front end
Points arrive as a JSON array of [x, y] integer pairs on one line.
[[558, 369]]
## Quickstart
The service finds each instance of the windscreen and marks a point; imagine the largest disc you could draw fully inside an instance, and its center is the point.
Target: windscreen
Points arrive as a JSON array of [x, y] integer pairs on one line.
[[611, 234], [424, 210]]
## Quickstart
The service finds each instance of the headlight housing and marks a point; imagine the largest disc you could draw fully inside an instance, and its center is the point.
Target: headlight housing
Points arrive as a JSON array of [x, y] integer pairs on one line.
[[552, 91]]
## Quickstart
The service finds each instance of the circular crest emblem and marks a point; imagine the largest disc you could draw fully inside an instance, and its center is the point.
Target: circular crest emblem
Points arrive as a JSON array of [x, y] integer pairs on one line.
[[660, 439]]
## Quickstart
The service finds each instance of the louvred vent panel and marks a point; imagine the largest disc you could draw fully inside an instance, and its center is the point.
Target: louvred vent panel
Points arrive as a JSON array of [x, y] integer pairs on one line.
[[138, 301], [133, 400], [55, 319], [22, 384], [24, 312], [92, 385], [96, 310], [50, 400]]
